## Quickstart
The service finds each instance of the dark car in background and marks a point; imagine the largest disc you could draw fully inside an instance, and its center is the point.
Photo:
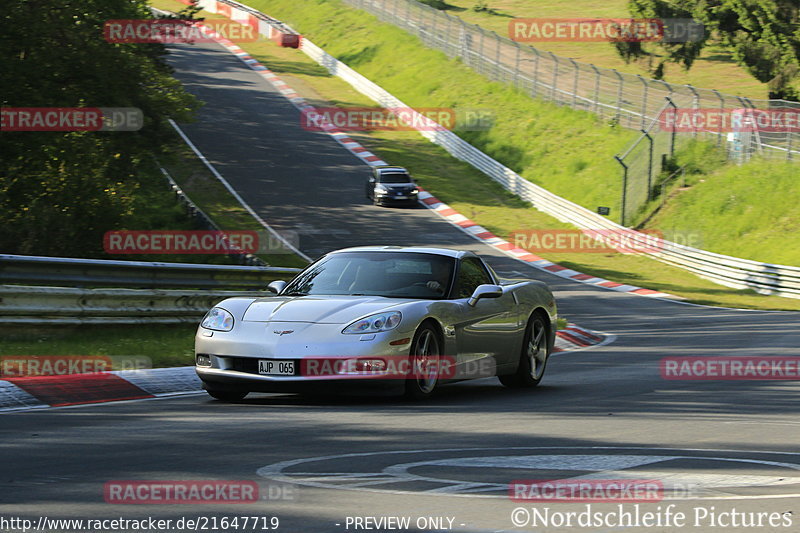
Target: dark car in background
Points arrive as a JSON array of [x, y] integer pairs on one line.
[[391, 186]]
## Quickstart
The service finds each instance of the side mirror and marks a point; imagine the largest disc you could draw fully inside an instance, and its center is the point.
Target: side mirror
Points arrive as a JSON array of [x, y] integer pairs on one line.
[[372, 179], [276, 286], [485, 291]]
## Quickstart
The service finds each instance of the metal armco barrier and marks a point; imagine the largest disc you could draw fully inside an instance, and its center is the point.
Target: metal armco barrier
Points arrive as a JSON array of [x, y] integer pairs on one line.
[[153, 300], [63, 271], [22, 304]]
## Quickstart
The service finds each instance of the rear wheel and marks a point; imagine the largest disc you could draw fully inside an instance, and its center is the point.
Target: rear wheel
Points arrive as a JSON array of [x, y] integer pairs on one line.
[[425, 352], [226, 395], [533, 359]]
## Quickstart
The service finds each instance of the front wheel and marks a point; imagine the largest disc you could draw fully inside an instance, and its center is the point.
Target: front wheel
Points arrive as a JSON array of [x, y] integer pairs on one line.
[[533, 359], [424, 357]]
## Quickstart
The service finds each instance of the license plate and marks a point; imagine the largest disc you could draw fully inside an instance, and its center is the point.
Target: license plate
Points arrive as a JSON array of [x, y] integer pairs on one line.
[[271, 367], [402, 197]]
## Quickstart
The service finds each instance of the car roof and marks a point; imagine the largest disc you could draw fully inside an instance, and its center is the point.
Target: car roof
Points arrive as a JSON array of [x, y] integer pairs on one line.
[[408, 249]]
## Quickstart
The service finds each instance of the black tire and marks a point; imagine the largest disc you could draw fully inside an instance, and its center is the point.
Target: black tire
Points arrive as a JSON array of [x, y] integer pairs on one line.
[[532, 358], [226, 395], [424, 356]]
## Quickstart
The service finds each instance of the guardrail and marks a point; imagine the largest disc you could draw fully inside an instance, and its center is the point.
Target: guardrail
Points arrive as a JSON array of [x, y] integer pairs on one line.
[[63, 271], [149, 296], [30, 305]]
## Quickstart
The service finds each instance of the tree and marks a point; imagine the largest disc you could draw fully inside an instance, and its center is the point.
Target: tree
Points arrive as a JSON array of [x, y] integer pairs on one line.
[[762, 35], [60, 191]]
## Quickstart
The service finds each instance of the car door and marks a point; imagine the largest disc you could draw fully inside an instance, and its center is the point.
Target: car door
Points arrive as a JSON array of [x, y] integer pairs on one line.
[[485, 332]]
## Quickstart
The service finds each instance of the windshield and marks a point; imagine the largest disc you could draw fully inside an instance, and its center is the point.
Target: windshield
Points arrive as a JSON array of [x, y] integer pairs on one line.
[[394, 177], [389, 274]]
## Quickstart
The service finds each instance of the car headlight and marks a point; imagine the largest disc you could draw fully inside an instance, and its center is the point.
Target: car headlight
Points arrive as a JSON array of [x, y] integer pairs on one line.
[[375, 323], [381, 188], [218, 319], [415, 191]]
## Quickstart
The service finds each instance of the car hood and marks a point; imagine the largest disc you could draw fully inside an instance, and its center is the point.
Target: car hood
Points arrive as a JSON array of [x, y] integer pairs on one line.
[[317, 309]]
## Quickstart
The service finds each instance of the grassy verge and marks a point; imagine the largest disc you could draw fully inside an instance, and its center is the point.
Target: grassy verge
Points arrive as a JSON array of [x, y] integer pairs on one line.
[[747, 211], [483, 200], [165, 345]]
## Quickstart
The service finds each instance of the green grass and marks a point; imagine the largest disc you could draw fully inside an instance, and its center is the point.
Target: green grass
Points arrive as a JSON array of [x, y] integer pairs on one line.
[[748, 211], [164, 345], [471, 192]]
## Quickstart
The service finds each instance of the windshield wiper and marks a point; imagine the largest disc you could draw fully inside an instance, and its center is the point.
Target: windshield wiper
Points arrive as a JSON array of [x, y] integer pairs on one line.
[[295, 293]]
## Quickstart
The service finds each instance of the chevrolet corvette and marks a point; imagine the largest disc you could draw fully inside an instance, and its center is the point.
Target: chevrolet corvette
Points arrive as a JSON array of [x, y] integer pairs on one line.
[[379, 316]]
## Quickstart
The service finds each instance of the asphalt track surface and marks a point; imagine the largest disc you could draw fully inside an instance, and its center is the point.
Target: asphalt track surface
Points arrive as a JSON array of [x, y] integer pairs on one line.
[[604, 412]]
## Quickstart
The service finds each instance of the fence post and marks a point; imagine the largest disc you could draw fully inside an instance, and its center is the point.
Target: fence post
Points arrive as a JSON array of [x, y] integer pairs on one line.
[[624, 188], [535, 72], [672, 132], [465, 43], [649, 164], [555, 75], [447, 34], [480, 47], [516, 64], [619, 93], [434, 16], [721, 113], [575, 83], [695, 105], [596, 105], [644, 99], [497, 58], [669, 88]]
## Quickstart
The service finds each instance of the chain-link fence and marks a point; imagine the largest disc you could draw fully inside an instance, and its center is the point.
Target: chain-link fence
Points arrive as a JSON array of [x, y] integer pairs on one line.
[[642, 163], [632, 101]]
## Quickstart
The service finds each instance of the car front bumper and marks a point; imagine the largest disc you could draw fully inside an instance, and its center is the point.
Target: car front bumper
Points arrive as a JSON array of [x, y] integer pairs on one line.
[[234, 356]]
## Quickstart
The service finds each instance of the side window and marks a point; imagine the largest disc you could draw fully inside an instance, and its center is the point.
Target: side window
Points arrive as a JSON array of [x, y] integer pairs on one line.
[[470, 275]]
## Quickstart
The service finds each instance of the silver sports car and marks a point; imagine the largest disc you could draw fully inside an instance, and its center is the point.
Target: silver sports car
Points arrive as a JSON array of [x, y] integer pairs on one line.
[[379, 316]]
